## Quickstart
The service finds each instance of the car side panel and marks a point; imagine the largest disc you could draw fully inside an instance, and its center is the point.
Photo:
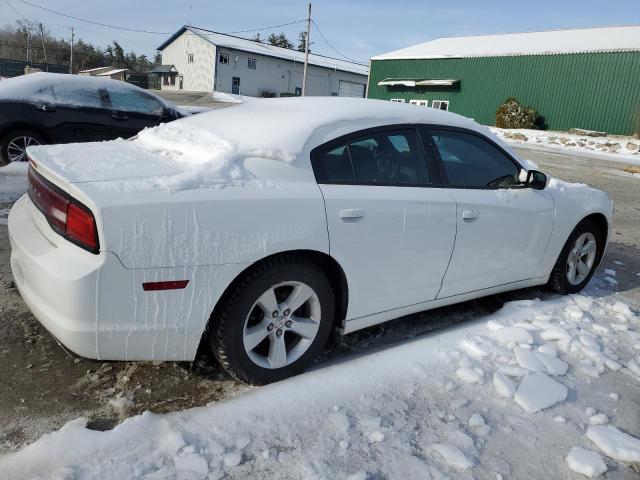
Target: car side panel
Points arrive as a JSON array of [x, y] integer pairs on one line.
[[573, 203]]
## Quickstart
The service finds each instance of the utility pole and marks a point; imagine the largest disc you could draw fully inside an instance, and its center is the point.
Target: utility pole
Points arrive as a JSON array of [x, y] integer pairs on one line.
[[306, 53], [44, 50], [71, 57]]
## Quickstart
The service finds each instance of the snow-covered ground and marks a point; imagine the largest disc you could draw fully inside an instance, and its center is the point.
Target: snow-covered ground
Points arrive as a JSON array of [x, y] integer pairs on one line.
[[621, 149], [538, 389]]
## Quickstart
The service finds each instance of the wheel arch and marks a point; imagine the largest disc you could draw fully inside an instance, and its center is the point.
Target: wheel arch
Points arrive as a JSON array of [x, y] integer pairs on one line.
[[22, 125], [326, 262], [603, 225]]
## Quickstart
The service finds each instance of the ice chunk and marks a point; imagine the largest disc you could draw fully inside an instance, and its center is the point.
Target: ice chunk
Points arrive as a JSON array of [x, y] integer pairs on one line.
[[513, 371], [610, 272], [537, 391], [232, 459], [376, 437], [527, 359], [598, 419], [476, 420], [611, 281], [554, 365], [548, 349], [191, 463], [615, 443], [586, 462], [634, 365], [514, 335], [559, 419], [590, 411], [614, 396], [470, 375], [504, 387], [474, 349], [453, 456]]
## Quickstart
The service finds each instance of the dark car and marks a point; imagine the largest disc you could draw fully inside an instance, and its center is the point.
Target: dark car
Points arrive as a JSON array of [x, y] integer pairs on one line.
[[43, 108]]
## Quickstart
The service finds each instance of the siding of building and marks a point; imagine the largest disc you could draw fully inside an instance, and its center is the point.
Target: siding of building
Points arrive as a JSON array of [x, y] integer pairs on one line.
[[277, 75], [596, 91], [272, 74], [197, 76]]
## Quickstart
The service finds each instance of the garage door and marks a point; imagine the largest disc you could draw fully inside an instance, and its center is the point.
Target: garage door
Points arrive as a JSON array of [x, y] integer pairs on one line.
[[351, 89]]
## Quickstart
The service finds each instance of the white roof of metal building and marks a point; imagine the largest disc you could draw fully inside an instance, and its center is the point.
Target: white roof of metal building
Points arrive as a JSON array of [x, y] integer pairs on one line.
[[246, 45], [581, 40]]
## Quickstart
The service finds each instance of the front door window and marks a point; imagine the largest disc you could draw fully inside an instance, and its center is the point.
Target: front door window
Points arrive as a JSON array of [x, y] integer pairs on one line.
[[235, 86]]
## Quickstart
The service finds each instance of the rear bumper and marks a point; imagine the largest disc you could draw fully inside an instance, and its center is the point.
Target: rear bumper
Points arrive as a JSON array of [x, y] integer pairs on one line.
[[97, 308]]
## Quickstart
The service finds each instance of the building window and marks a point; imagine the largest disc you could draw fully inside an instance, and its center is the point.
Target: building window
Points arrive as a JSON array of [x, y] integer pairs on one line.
[[398, 100], [421, 103], [190, 57], [223, 59], [440, 104], [165, 79], [251, 63]]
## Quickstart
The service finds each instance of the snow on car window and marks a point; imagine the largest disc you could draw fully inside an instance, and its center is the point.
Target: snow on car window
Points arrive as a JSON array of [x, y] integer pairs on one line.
[[129, 100], [69, 94]]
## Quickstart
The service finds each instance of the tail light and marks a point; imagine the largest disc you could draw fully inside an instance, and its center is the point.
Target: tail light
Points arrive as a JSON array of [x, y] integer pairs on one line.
[[66, 216]]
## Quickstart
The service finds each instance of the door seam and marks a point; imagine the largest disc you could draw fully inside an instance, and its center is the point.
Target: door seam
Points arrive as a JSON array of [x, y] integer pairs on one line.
[[453, 247]]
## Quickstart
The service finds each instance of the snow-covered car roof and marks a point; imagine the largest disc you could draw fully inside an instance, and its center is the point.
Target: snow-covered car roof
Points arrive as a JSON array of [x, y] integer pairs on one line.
[[291, 126], [46, 86]]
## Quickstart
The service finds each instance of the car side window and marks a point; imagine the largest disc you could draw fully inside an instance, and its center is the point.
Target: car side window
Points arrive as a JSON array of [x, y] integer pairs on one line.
[[132, 101], [383, 158], [69, 94], [472, 162]]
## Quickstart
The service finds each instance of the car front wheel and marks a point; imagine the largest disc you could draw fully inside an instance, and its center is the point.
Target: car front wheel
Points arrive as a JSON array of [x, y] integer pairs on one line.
[[274, 321], [578, 260]]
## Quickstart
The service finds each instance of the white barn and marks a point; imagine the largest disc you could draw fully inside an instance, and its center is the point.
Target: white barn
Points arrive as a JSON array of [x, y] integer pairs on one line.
[[200, 60]]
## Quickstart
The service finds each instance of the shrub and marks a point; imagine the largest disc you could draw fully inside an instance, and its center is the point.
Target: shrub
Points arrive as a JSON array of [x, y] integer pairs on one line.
[[512, 114]]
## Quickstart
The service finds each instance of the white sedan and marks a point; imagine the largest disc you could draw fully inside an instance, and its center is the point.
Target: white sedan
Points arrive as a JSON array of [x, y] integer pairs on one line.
[[257, 229]]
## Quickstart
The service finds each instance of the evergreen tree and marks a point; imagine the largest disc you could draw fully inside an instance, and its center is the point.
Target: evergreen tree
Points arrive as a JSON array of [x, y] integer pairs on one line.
[[302, 41], [279, 40]]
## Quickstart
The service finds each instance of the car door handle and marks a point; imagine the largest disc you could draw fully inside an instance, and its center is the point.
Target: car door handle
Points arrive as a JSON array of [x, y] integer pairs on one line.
[[470, 214], [118, 116], [352, 213], [45, 107]]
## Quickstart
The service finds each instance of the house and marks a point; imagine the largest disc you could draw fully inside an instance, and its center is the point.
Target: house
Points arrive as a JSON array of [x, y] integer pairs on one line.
[[201, 60], [92, 72], [582, 78], [115, 74]]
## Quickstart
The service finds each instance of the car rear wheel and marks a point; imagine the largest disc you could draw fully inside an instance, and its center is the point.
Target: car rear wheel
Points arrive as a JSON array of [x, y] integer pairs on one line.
[[578, 260], [275, 320], [13, 147]]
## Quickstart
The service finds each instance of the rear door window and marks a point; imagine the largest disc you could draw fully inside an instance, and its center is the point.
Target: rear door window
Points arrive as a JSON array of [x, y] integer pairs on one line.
[[379, 158], [69, 94]]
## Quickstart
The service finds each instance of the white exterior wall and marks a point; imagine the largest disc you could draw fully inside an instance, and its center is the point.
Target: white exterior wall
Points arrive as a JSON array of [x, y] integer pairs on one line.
[[278, 75], [197, 76], [271, 74]]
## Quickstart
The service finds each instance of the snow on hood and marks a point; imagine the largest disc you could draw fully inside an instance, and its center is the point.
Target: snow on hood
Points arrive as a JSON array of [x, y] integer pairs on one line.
[[209, 150]]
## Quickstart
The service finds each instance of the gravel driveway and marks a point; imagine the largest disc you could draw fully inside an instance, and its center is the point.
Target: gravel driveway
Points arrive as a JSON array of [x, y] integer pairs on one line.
[[43, 387]]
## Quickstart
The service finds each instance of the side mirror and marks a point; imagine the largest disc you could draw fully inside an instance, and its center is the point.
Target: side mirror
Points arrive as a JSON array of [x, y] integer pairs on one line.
[[536, 180]]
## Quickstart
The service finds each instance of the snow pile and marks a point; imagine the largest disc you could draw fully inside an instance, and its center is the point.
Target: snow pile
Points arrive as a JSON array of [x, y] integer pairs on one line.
[[627, 149], [13, 181], [421, 410], [229, 97]]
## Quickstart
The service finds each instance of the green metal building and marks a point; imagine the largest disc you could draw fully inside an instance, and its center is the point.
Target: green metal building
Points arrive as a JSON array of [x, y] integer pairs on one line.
[[584, 78]]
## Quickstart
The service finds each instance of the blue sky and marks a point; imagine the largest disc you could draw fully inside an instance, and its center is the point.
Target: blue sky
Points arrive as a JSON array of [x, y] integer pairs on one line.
[[358, 29]]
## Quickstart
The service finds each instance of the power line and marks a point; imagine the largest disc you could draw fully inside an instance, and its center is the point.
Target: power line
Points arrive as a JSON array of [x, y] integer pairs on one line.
[[265, 28], [91, 21], [332, 47], [16, 11]]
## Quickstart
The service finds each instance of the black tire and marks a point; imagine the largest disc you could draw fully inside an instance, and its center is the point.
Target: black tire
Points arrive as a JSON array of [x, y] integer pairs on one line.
[[227, 325], [13, 134], [558, 280]]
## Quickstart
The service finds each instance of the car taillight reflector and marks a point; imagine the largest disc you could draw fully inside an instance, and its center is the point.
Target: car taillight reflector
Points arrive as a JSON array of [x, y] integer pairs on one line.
[[66, 216], [168, 285]]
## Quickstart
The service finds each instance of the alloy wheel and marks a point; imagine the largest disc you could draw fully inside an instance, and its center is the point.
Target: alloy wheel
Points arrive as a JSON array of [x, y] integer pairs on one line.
[[581, 258], [17, 148], [281, 324]]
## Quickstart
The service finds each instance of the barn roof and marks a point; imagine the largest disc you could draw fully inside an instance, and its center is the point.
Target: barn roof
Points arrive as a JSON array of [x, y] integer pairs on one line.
[[246, 45], [552, 42]]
